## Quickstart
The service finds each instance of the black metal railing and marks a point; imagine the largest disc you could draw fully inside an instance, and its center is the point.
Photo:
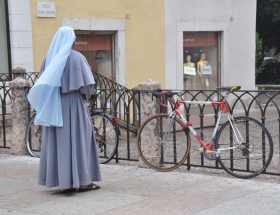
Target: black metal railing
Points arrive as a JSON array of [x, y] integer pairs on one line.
[[105, 83], [6, 114], [32, 77], [124, 103]]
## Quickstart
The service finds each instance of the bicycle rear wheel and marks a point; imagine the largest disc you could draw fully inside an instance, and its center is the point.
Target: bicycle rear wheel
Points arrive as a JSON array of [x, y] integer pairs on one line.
[[33, 137], [256, 150], [106, 135], [161, 143]]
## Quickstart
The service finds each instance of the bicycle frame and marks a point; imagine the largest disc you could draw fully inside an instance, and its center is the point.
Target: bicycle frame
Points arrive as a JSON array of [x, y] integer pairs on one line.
[[187, 124]]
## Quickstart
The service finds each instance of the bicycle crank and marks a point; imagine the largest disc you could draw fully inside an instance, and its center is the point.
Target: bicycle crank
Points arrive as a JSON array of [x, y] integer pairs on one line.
[[208, 155]]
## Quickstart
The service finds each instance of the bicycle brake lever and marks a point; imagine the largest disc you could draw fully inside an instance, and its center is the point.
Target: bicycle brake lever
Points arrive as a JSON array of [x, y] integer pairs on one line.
[[154, 94]]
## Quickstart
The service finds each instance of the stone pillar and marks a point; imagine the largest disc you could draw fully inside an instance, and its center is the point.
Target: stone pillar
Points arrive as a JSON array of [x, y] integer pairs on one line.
[[19, 88], [148, 107], [18, 72]]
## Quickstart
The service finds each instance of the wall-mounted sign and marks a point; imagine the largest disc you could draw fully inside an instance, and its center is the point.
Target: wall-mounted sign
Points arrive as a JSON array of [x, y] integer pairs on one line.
[[200, 39], [46, 9], [92, 42]]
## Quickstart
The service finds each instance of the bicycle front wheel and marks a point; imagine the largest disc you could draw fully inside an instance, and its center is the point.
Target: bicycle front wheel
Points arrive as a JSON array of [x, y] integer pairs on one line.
[[161, 143], [33, 137], [253, 155], [106, 135]]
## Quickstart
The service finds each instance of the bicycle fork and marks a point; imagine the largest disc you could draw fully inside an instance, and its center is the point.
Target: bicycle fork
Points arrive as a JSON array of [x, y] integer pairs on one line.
[[170, 124]]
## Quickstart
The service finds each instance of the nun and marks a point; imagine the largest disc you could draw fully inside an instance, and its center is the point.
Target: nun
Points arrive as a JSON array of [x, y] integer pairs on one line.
[[69, 157]]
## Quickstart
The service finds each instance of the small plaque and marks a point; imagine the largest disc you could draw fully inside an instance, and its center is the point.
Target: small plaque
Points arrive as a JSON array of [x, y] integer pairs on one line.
[[46, 9]]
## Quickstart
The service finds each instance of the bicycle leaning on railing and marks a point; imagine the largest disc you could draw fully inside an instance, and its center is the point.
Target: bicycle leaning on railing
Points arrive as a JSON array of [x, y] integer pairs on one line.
[[242, 145], [107, 132], [105, 128]]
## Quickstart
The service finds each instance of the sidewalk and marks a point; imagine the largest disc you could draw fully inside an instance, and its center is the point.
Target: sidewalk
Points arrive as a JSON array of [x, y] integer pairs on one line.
[[128, 190]]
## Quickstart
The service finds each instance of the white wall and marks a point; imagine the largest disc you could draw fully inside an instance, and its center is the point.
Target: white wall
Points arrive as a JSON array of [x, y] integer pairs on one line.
[[235, 19], [21, 34]]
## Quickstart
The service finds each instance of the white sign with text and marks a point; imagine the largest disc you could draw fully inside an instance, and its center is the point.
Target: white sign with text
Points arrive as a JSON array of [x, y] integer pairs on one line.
[[46, 9], [189, 71]]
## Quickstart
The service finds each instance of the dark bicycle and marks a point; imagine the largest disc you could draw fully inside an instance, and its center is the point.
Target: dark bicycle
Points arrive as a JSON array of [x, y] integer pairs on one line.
[[106, 131]]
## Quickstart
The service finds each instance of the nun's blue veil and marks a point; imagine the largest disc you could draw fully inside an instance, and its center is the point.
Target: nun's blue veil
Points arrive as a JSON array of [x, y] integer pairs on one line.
[[44, 96]]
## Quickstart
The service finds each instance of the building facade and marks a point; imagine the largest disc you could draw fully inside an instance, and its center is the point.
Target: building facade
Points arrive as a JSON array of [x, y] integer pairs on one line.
[[183, 44], [5, 59]]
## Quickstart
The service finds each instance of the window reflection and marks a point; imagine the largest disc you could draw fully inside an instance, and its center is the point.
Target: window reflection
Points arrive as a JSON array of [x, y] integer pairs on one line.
[[200, 50]]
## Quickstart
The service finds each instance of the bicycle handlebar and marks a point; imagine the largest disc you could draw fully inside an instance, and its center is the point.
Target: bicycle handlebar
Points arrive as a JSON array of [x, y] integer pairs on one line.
[[159, 96]]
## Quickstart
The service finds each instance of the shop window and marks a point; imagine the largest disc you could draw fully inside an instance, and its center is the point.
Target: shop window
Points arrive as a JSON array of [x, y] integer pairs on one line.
[[201, 71], [4, 68], [98, 51]]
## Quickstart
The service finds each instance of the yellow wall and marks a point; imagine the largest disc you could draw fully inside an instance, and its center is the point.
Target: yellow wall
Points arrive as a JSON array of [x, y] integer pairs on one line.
[[145, 40]]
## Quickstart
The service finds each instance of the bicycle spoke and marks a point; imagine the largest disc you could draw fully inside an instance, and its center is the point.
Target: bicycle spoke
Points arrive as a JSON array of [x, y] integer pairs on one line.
[[160, 148], [33, 138], [106, 137]]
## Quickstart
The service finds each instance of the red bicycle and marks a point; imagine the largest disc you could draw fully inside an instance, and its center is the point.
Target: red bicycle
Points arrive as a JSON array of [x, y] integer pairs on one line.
[[242, 145]]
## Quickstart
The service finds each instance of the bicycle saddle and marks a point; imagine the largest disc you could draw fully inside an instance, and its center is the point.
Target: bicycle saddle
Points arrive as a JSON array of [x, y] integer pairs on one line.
[[229, 89]]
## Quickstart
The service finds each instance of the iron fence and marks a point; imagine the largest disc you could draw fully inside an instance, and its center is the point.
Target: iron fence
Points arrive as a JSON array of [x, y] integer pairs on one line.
[[125, 104], [6, 115]]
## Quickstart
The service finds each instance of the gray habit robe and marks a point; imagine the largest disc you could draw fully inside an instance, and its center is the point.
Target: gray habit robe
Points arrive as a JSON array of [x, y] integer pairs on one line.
[[69, 156]]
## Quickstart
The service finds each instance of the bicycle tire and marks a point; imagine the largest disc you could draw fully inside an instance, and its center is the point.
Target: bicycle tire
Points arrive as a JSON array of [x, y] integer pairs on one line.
[[168, 156], [256, 152], [106, 135], [33, 137]]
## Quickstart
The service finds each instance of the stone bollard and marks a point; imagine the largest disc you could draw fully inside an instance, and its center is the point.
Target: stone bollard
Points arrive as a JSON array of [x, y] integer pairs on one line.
[[18, 72], [19, 89], [148, 108]]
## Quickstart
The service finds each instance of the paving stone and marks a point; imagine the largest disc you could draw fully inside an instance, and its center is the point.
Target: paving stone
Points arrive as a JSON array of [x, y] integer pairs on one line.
[[127, 189]]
